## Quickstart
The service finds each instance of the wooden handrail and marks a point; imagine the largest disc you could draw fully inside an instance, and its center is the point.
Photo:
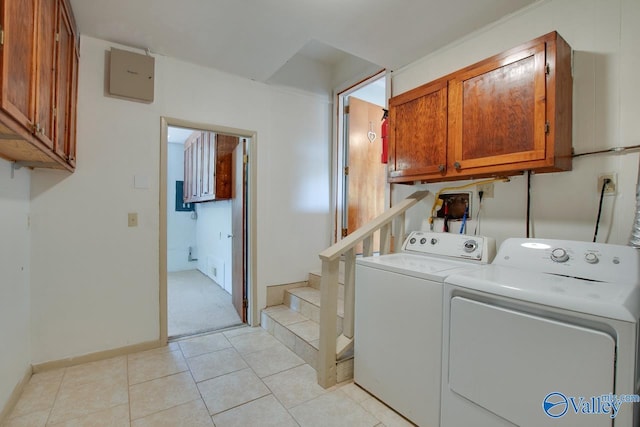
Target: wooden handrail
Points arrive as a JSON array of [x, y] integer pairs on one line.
[[369, 228], [330, 347]]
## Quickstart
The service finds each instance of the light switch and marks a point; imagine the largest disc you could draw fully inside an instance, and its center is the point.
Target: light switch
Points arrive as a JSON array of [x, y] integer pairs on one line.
[[133, 219]]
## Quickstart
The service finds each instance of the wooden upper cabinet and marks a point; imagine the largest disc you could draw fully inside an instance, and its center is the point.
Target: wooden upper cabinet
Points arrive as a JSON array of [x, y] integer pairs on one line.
[[208, 160], [506, 114], [39, 70], [418, 137], [18, 58]]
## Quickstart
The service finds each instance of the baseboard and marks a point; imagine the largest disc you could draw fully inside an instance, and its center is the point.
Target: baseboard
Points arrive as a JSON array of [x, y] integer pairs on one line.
[[15, 395], [100, 355]]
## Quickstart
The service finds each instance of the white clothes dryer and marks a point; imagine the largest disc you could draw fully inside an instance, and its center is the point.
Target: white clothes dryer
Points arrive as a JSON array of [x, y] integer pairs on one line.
[[547, 335], [398, 319]]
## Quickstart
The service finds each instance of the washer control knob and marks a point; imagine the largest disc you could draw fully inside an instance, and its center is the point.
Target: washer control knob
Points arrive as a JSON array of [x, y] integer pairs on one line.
[[423, 241], [559, 255], [412, 240], [591, 258], [470, 246], [434, 241]]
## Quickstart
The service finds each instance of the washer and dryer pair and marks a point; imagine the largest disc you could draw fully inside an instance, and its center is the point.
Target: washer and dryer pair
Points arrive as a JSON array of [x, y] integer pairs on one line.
[[545, 335]]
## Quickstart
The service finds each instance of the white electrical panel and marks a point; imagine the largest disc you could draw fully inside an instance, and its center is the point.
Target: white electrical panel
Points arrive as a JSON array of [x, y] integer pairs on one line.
[[131, 75]]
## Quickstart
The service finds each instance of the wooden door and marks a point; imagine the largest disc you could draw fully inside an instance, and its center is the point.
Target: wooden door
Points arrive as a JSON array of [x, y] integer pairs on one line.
[[238, 231], [46, 69], [366, 176], [64, 91], [499, 106], [418, 133], [18, 60]]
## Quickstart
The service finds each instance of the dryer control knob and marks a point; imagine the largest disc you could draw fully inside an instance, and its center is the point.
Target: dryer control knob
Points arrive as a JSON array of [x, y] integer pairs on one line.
[[591, 258], [559, 255], [470, 246]]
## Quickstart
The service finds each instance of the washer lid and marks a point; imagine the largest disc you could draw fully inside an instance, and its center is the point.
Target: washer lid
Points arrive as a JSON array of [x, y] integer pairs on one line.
[[612, 300], [420, 266]]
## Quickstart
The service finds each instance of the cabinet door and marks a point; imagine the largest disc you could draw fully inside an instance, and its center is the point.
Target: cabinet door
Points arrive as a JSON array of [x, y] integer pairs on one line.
[[64, 79], [18, 60], [208, 166], [225, 144], [45, 83], [497, 112], [418, 137], [73, 103]]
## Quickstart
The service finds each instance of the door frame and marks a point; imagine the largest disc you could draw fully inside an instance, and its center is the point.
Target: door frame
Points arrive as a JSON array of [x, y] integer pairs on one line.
[[339, 182], [251, 219]]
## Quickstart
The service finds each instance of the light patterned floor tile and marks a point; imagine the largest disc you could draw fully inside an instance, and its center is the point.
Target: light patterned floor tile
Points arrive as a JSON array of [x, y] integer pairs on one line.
[[272, 360], [156, 365], [295, 386], [354, 392], [235, 332], [157, 395], [39, 393], [211, 365], [172, 346], [266, 411], [248, 343], [96, 371], [308, 330], [77, 398], [33, 419], [384, 413], [192, 414], [284, 315], [231, 390], [118, 416], [204, 344], [332, 409]]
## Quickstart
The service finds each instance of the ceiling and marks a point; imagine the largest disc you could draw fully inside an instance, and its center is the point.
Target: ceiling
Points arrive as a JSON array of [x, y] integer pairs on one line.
[[256, 38]]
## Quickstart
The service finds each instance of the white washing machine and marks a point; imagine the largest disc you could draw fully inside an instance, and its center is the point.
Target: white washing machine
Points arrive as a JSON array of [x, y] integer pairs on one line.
[[398, 319], [547, 335]]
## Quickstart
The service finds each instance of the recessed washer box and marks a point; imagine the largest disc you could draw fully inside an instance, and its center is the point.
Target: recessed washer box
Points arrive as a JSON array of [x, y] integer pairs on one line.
[[131, 75]]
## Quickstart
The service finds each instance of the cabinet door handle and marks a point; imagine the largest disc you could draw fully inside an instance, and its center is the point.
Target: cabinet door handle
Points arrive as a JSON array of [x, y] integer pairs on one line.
[[457, 165], [441, 168]]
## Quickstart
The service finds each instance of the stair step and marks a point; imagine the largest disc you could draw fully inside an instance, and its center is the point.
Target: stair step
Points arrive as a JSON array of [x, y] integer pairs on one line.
[[306, 300], [301, 334]]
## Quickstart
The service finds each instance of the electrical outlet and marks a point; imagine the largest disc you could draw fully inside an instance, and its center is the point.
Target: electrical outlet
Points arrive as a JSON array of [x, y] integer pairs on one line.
[[133, 219], [610, 188], [487, 190]]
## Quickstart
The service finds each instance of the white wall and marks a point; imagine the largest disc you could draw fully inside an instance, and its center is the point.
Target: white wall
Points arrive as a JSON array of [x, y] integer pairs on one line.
[[95, 280], [181, 227], [212, 231], [604, 36], [15, 335]]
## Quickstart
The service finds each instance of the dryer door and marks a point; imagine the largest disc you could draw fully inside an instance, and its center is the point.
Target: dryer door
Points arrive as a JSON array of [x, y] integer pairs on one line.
[[507, 362]]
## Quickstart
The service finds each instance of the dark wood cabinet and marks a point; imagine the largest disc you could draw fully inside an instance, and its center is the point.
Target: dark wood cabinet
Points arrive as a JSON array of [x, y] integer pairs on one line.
[[39, 69], [504, 115], [208, 165]]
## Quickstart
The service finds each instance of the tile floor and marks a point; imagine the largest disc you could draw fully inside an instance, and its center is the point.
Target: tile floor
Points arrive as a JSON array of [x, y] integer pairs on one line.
[[241, 377]]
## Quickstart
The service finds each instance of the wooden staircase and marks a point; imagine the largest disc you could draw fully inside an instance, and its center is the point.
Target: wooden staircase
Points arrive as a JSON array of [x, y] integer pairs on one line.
[[296, 323]]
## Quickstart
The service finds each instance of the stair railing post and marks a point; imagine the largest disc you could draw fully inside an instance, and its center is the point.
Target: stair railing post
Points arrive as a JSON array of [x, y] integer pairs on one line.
[[399, 231], [349, 292], [326, 367], [385, 238]]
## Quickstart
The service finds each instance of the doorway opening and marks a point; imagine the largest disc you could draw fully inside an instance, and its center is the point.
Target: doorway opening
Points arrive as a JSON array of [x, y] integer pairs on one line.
[[206, 246], [362, 189]]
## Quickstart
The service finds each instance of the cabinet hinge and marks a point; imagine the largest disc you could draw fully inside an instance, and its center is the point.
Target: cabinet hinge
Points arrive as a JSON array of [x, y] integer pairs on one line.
[[345, 233], [57, 37], [245, 303], [346, 170], [245, 159], [547, 127], [1, 36], [55, 112], [346, 109], [547, 69]]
